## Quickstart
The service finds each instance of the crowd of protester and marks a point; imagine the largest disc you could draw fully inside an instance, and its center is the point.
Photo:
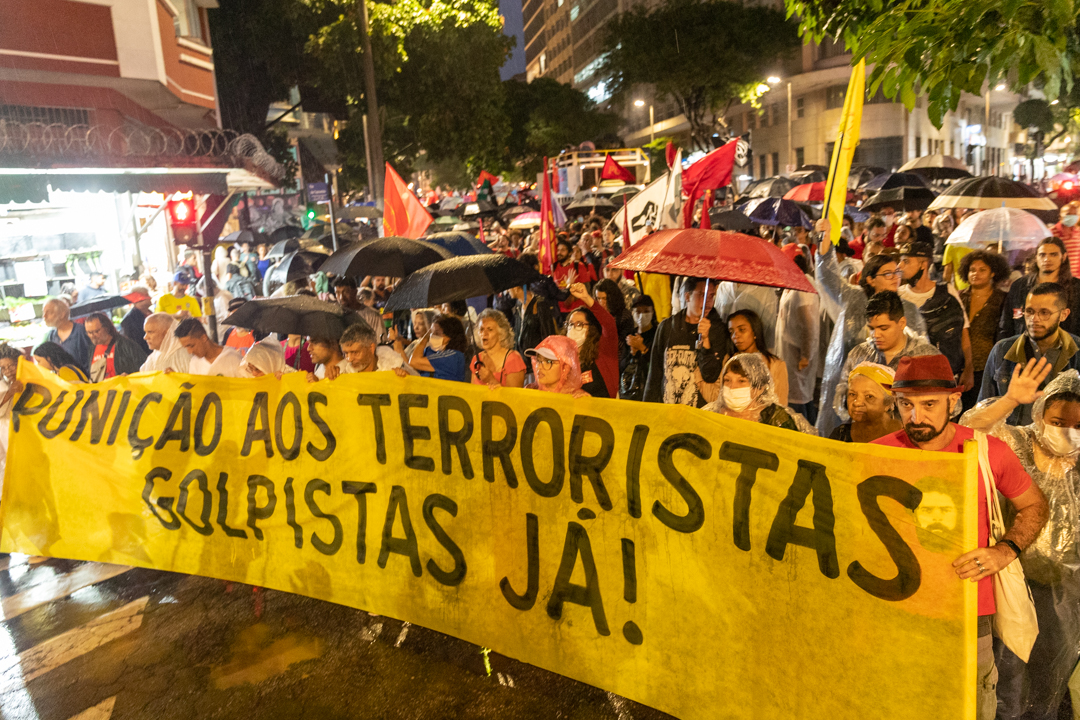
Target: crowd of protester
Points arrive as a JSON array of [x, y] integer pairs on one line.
[[908, 342]]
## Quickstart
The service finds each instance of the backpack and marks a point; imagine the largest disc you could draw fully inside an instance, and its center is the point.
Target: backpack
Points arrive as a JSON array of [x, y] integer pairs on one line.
[[944, 316]]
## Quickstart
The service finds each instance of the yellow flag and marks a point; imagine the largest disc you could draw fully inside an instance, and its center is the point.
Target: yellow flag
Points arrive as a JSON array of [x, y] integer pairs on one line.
[[847, 138]]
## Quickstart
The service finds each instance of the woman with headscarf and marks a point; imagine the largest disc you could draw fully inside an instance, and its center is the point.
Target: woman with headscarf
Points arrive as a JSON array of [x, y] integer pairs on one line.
[[556, 367], [879, 273], [748, 393], [166, 352], [52, 357], [264, 358], [869, 405], [1049, 449]]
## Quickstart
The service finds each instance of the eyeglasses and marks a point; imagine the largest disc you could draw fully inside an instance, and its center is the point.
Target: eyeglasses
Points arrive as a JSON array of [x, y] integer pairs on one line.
[[887, 275], [545, 362], [577, 325], [1040, 314]]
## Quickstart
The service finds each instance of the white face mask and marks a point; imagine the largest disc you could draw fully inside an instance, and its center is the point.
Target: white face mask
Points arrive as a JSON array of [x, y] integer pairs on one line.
[[1061, 441], [577, 335], [437, 342], [1069, 220], [737, 399], [889, 220], [642, 319]]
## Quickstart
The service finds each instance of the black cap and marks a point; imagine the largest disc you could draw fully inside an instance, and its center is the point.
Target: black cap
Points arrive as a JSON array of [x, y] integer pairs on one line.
[[917, 249]]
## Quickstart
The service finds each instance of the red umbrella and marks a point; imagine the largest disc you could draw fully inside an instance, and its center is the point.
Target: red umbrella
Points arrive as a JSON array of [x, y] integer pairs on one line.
[[810, 192], [715, 255]]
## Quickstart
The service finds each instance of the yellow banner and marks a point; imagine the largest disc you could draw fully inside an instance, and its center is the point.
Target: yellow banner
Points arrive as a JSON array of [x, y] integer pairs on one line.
[[847, 139], [702, 565]]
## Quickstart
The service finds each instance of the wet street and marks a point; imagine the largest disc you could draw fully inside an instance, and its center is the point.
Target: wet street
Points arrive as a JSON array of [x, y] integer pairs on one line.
[[93, 641]]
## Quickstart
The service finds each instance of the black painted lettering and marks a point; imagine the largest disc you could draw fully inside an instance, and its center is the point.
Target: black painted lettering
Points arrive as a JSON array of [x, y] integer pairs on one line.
[[256, 512], [633, 470], [532, 565], [411, 433], [549, 417], [258, 425], [399, 505], [292, 451], [908, 573], [450, 440], [695, 510], [139, 444], [564, 591], [93, 414], [43, 424], [223, 508], [326, 548], [199, 477], [290, 514], [810, 477], [322, 454], [211, 401], [590, 466], [360, 490], [119, 419], [23, 407], [165, 503], [181, 411], [502, 448], [750, 459], [455, 575]]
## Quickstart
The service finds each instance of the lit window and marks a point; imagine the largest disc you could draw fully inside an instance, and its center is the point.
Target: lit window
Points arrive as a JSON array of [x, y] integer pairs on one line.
[[574, 13]]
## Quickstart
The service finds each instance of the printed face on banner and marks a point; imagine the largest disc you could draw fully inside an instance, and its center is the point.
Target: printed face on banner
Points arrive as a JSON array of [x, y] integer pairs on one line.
[[617, 543], [648, 214]]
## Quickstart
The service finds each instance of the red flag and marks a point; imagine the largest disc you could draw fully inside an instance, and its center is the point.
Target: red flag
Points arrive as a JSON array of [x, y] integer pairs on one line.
[[485, 175], [403, 214], [554, 175], [709, 173], [547, 225], [669, 153], [614, 171]]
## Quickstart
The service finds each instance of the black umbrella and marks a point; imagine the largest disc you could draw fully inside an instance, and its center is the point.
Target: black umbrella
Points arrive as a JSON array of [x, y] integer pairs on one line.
[[246, 236], [286, 232], [101, 304], [730, 220], [937, 167], [890, 181], [985, 193], [513, 211], [807, 175], [389, 256], [283, 248], [480, 207], [458, 243], [590, 204], [293, 266], [769, 187], [294, 315], [460, 278], [901, 198], [861, 174]]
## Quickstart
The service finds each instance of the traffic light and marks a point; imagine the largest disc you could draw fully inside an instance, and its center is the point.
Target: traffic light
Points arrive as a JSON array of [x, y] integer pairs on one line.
[[183, 219], [311, 213]]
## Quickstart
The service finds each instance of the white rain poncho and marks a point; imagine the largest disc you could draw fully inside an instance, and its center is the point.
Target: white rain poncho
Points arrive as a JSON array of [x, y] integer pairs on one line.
[[765, 406], [171, 356], [850, 330], [265, 356], [1051, 563]]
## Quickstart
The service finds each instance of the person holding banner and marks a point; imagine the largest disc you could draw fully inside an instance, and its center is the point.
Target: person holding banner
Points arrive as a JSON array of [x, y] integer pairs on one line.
[[1048, 449], [166, 352], [55, 359], [927, 395], [264, 358], [556, 367], [870, 405], [497, 364], [748, 393], [207, 357], [597, 338], [440, 353]]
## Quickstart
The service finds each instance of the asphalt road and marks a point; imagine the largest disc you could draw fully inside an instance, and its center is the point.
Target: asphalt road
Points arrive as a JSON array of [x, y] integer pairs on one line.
[[93, 641]]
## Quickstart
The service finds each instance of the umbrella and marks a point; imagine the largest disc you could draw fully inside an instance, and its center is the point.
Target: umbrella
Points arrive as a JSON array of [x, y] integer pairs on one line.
[[731, 220], [715, 255], [286, 232], [359, 211], [770, 187], [389, 256], [105, 302], [514, 210], [628, 190], [480, 207], [460, 278], [293, 266], [449, 203], [458, 243], [283, 248], [465, 226], [246, 236], [860, 174], [1010, 228], [804, 176], [937, 167], [819, 168], [809, 192], [446, 220], [888, 181], [592, 203], [319, 230], [525, 220], [987, 193], [294, 315], [774, 211], [901, 198]]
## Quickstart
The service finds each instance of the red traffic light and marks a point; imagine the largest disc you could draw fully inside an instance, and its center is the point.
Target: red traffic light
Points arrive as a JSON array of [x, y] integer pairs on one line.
[[182, 212]]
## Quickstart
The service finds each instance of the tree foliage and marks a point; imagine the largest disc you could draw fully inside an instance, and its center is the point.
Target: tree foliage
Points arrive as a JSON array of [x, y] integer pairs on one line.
[[704, 54], [946, 47]]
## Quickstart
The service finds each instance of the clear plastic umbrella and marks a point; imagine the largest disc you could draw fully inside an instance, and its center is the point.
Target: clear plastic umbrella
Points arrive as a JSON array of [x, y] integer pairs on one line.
[[1009, 228]]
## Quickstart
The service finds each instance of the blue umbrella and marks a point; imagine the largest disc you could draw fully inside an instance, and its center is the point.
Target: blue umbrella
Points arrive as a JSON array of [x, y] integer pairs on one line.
[[889, 181], [856, 214], [458, 243], [774, 211]]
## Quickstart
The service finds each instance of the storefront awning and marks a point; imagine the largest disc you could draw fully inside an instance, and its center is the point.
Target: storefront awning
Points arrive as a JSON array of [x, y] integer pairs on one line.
[[21, 185]]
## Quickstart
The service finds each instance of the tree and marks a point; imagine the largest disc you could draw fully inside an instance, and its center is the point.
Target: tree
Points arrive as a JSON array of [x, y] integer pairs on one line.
[[946, 47], [704, 54]]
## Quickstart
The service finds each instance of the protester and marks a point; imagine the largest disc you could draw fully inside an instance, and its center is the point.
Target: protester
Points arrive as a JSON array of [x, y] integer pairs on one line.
[[534, 317], [95, 288], [66, 333], [497, 364], [10, 388], [207, 357], [678, 350], [762, 301], [1045, 313], [166, 352], [178, 302], [629, 290], [555, 366], [329, 361], [748, 336], [440, 354], [608, 294], [237, 284], [1048, 449], [459, 309], [879, 273], [132, 324], [748, 393], [347, 297], [946, 322], [596, 335], [114, 354], [927, 395], [55, 359], [566, 271], [264, 358], [797, 343], [1051, 266], [982, 302], [869, 405], [239, 339], [1067, 230], [887, 344], [359, 346], [636, 372]]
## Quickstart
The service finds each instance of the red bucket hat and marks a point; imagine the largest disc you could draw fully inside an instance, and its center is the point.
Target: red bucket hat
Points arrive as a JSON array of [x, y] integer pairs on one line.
[[923, 375]]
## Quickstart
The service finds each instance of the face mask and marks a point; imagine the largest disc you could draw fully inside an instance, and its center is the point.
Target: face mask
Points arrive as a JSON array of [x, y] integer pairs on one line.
[[1061, 441], [642, 319], [577, 335], [737, 399], [1069, 220], [889, 220], [437, 342]]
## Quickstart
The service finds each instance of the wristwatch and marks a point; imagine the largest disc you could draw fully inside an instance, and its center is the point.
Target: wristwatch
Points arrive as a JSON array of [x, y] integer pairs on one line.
[[1011, 545]]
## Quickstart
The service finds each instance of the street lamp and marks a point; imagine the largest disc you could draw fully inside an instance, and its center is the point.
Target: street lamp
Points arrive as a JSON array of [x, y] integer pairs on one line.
[[772, 80], [652, 124], [639, 103]]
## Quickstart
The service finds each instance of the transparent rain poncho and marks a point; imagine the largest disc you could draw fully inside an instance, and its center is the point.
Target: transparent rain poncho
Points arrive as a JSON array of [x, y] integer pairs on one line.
[[850, 330], [1051, 563], [766, 407]]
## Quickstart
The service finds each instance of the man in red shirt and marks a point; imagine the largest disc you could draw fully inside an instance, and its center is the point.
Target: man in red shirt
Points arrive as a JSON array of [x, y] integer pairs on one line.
[[926, 394]]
